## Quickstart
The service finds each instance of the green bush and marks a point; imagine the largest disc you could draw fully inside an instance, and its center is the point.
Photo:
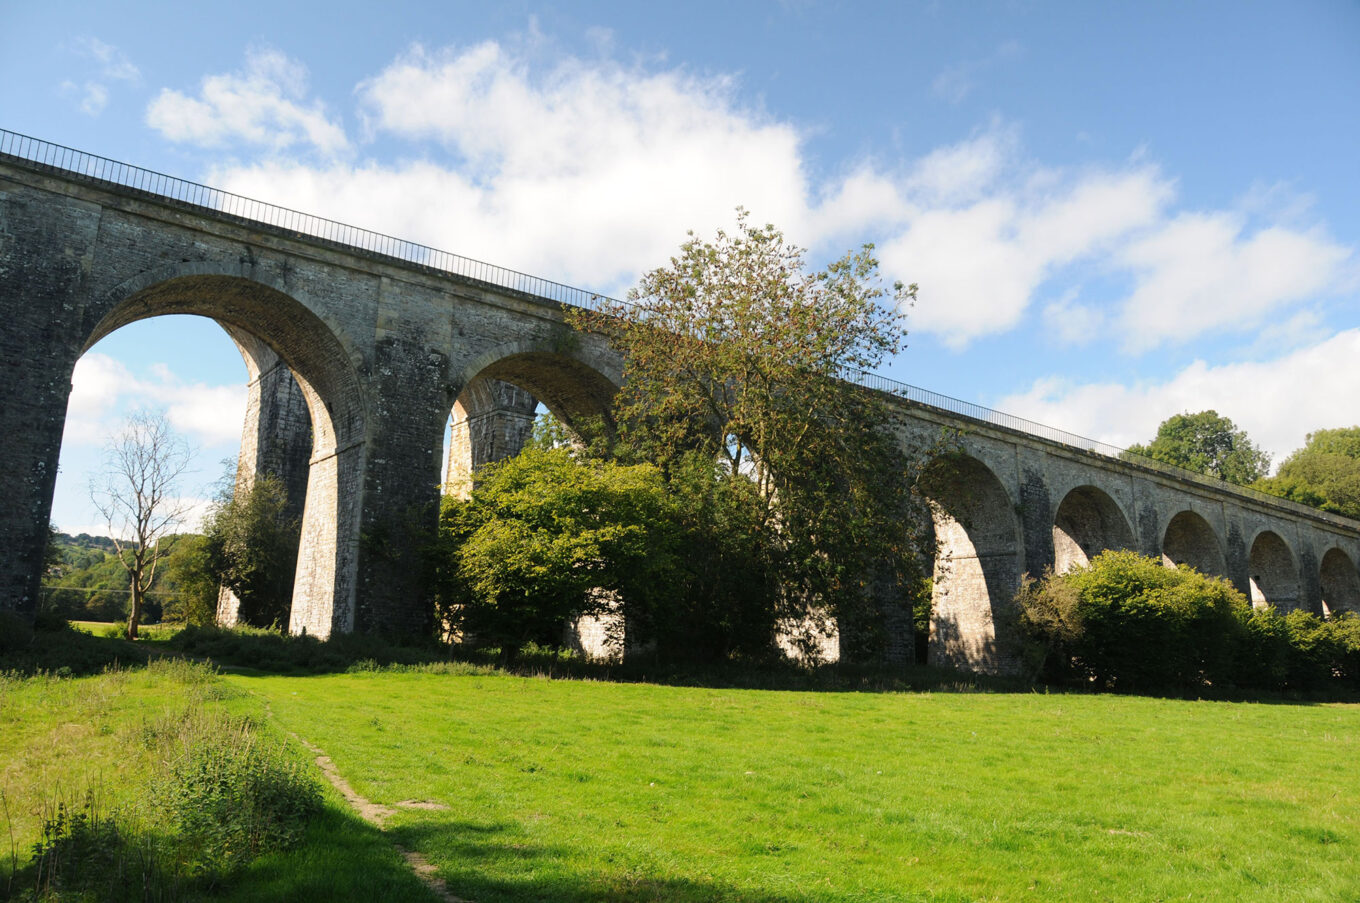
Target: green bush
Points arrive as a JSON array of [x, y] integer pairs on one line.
[[230, 793], [1125, 622]]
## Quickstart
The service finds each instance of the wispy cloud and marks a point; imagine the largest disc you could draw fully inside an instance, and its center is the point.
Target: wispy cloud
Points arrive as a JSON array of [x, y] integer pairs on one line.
[[954, 83], [103, 390], [110, 65]]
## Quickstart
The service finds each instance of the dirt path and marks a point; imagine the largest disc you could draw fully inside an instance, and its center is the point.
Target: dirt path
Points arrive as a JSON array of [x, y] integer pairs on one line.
[[377, 815]]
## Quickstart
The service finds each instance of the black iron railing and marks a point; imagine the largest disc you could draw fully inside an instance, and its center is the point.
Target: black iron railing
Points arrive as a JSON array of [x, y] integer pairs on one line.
[[77, 164]]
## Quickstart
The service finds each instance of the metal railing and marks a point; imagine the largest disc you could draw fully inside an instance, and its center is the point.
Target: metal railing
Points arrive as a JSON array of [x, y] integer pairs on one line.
[[83, 166]]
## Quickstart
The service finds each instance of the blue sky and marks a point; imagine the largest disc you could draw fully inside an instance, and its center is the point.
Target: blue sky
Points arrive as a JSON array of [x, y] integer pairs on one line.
[[1115, 212]]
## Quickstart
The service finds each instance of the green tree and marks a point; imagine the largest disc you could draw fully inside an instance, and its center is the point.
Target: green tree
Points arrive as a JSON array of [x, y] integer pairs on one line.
[[1325, 473], [138, 494], [251, 547], [191, 587], [1206, 443], [735, 352], [545, 538]]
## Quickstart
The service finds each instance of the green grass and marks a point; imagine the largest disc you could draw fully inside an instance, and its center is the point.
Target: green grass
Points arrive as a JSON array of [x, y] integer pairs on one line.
[[580, 790], [61, 738], [576, 790]]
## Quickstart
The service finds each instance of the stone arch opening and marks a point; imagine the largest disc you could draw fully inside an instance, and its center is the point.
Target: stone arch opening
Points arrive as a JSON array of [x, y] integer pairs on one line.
[[1340, 584], [1273, 572], [1190, 540], [263, 319], [494, 413], [1087, 523], [978, 558]]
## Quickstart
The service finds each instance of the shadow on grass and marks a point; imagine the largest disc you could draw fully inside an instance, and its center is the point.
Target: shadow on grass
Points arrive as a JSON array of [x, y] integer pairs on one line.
[[55, 647], [494, 864], [341, 857], [69, 652]]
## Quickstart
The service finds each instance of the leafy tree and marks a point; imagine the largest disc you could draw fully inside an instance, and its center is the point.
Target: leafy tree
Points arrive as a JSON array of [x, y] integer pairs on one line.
[[1206, 443], [137, 493], [251, 547], [1325, 473], [734, 353], [545, 538], [190, 585]]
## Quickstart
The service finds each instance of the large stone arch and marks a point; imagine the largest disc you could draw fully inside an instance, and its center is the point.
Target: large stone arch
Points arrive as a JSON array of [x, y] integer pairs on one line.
[[325, 581], [1087, 523], [1273, 573], [978, 555], [499, 391], [1190, 540], [1340, 583]]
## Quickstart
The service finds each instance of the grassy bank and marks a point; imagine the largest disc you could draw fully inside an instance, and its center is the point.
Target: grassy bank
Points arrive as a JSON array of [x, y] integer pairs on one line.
[[97, 747], [577, 790]]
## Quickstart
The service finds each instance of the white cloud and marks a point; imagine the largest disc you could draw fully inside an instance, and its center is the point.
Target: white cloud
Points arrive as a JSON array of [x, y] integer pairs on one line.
[[591, 171], [1201, 271], [103, 390], [1278, 402], [980, 263], [262, 104], [586, 173]]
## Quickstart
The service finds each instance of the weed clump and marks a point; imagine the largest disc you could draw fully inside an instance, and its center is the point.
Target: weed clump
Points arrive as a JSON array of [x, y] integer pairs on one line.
[[228, 792]]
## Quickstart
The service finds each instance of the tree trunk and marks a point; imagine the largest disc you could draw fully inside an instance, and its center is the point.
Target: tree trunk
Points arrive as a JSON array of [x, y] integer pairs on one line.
[[134, 609]]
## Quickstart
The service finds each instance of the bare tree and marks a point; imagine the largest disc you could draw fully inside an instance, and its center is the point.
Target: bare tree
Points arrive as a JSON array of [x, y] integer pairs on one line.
[[137, 493]]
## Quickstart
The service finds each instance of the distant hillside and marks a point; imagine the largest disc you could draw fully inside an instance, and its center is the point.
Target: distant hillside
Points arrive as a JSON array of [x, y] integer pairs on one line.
[[89, 583]]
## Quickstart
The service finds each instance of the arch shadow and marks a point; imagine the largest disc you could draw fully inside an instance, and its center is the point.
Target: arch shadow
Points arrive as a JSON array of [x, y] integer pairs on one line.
[[1190, 540], [1340, 583], [1087, 523], [1273, 573], [978, 559]]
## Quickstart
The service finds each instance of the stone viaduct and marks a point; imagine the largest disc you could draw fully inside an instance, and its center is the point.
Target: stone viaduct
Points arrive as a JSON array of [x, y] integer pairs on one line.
[[359, 347]]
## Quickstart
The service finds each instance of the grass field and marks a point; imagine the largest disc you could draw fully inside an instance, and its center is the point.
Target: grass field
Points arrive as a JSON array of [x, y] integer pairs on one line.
[[577, 790], [572, 790]]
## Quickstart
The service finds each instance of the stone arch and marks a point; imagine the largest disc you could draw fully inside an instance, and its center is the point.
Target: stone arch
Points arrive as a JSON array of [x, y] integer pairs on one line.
[[1340, 583], [324, 369], [1190, 540], [978, 556], [1273, 573], [493, 412], [1087, 523]]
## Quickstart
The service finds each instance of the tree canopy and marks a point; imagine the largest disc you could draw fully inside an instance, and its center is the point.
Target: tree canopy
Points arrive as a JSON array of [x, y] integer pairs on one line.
[[545, 538], [734, 353], [1325, 473], [251, 546], [1206, 443]]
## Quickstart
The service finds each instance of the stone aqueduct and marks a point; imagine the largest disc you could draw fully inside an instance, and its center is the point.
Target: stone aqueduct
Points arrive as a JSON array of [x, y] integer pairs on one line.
[[358, 348]]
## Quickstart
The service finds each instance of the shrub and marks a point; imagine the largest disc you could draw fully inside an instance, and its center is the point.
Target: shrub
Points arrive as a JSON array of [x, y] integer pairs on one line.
[[230, 793], [1124, 622]]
